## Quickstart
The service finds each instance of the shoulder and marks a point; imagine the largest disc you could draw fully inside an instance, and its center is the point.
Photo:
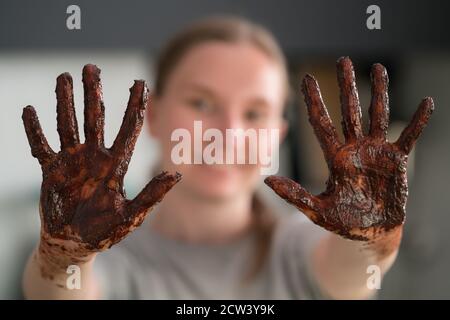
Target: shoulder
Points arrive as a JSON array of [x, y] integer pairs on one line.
[[120, 268], [133, 248], [295, 231]]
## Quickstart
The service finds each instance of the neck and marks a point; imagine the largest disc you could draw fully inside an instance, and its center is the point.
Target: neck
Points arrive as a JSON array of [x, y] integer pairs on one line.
[[185, 217]]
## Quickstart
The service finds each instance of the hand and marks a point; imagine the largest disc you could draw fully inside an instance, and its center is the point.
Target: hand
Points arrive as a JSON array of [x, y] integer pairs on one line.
[[83, 206], [367, 188]]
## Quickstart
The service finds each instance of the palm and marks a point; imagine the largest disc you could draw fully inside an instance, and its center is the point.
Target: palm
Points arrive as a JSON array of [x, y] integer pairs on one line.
[[82, 196], [367, 187]]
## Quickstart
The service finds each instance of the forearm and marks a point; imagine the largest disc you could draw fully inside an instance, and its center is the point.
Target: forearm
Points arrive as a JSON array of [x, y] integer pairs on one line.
[[341, 266], [43, 279]]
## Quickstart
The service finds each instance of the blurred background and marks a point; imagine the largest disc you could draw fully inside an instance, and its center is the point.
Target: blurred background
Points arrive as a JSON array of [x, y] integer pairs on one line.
[[123, 38]]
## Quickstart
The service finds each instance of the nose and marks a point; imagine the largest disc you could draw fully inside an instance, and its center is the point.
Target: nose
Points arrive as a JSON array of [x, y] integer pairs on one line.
[[236, 146], [230, 119]]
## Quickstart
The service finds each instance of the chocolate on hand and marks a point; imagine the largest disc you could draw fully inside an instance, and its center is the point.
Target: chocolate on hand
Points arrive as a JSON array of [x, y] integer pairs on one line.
[[83, 204], [367, 188]]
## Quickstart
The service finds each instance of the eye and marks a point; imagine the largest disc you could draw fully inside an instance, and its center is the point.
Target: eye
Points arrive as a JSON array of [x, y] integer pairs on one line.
[[254, 115], [201, 104]]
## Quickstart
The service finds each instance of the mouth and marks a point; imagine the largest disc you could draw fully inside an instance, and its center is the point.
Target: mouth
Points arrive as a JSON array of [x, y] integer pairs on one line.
[[219, 168]]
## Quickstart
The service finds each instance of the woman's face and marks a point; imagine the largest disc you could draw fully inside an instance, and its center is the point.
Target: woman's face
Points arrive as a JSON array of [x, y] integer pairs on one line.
[[225, 86]]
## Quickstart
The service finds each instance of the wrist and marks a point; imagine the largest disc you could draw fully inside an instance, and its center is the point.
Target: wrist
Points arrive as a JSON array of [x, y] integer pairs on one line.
[[385, 243], [54, 256]]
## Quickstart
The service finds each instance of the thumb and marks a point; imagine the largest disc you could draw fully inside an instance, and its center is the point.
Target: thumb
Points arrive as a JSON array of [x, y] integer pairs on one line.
[[293, 193]]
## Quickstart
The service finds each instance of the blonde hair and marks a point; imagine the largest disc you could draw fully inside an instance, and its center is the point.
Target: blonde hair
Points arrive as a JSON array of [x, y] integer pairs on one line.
[[228, 29]]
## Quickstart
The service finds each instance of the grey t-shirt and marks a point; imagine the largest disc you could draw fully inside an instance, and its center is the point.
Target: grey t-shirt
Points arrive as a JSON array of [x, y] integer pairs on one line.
[[146, 265]]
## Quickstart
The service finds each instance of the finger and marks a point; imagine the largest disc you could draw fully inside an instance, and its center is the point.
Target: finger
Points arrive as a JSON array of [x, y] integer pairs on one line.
[[296, 195], [379, 106], [131, 125], [319, 118], [351, 110], [65, 112], [94, 110], [152, 193], [419, 121], [38, 143]]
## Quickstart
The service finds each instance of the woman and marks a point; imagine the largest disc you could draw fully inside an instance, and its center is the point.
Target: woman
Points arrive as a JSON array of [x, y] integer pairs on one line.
[[212, 236]]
